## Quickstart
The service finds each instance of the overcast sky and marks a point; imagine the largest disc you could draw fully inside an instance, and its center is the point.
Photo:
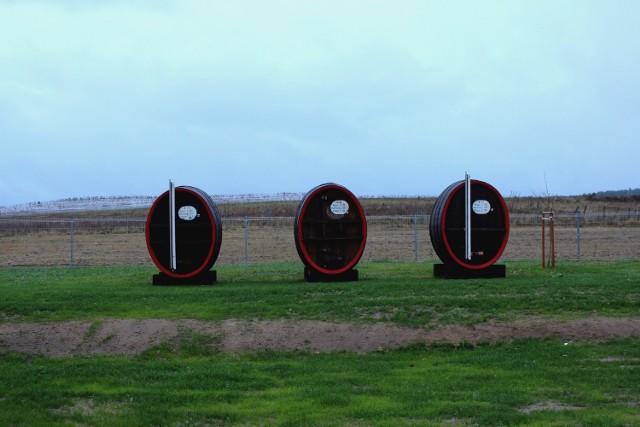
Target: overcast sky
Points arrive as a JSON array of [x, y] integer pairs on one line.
[[110, 98]]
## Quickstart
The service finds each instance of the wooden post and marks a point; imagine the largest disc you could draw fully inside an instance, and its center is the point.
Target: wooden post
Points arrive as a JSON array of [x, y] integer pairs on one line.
[[548, 217], [543, 219], [552, 223]]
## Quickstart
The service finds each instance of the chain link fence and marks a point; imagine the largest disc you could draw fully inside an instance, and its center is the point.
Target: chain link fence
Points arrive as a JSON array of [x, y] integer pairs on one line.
[[118, 241]]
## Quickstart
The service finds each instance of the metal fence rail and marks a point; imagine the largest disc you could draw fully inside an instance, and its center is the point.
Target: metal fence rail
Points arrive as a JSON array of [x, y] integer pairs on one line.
[[118, 241]]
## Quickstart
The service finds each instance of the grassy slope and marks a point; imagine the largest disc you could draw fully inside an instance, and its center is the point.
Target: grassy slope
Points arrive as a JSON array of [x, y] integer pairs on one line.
[[405, 293]]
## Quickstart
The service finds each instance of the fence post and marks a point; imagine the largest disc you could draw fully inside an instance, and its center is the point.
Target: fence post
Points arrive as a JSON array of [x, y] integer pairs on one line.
[[72, 226], [246, 240], [578, 225], [415, 237]]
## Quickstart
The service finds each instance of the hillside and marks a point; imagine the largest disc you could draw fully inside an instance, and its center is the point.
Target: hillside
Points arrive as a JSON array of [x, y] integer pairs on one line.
[[285, 205]]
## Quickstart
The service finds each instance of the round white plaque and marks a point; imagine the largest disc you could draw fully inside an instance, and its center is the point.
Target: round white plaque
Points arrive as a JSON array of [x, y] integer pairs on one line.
[[339, 207], [481, 207], [187, 213]]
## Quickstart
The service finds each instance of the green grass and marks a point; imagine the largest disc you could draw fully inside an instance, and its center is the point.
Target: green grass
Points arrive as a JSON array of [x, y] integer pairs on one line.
[[404, 293], [522, 383], [575, 384]]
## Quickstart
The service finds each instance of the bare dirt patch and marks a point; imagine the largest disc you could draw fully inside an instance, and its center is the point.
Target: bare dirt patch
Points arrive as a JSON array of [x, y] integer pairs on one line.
[[548, 406], [134, 336], [88, 408]]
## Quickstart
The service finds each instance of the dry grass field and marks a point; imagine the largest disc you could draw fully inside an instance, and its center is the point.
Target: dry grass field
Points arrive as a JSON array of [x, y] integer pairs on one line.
[[389, 239], [398, 230]]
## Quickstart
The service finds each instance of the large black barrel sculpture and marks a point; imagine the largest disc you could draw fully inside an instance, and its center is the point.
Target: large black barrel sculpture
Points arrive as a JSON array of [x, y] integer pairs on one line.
[[489, 225], [197, 236], [330, 232]]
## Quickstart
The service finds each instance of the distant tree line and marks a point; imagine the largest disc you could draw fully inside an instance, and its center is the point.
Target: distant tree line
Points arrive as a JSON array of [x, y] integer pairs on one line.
[[616, 193]]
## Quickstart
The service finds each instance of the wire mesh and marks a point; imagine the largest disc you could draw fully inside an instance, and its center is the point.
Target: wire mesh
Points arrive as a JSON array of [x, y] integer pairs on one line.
[[120, 241]]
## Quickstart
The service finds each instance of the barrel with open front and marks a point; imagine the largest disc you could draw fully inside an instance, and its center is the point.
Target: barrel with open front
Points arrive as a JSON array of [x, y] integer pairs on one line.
[[330, 229]]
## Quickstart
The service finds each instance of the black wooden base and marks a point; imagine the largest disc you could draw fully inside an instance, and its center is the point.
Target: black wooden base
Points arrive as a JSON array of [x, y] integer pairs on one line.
[[311, 275], [204, 278], [454, 271]]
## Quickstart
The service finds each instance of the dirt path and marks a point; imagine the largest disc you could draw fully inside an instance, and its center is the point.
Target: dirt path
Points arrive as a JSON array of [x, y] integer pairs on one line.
[[131, 336]]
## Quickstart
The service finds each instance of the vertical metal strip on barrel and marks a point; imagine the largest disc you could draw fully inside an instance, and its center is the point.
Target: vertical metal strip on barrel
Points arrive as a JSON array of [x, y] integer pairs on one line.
[[172, 226], [467, 216]]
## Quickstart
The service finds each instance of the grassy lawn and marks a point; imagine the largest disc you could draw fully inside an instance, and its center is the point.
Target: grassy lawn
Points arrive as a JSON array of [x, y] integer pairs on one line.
[[404, 293], [528, 382], [524, 383]]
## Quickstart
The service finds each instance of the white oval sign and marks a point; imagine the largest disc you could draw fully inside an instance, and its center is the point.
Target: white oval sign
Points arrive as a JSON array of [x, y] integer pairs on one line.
[[481, 207], [339, 207], [187, 213]]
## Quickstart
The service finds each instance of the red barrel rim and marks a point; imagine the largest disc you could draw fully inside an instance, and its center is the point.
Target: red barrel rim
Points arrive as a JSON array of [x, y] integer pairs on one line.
[[301, 214], [207, 263], [443, 224]]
